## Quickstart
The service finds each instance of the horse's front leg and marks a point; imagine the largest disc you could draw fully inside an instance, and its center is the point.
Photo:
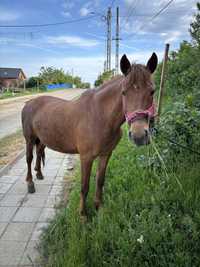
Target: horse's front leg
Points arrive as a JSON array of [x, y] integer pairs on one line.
[[100, 178], [86, 166]]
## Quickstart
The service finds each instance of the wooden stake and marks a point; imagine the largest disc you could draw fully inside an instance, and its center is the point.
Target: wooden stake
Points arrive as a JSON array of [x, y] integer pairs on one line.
[[162, 81]]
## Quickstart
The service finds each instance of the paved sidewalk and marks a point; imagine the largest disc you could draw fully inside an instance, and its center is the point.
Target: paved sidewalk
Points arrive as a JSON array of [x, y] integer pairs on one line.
[[24, 216]]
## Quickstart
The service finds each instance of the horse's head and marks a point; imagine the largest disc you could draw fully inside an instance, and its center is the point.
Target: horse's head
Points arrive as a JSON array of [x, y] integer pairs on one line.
[[137, 95]]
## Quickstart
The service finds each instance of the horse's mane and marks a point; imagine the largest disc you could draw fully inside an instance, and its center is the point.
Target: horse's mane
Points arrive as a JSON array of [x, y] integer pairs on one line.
[[109, 82], [138, 75]]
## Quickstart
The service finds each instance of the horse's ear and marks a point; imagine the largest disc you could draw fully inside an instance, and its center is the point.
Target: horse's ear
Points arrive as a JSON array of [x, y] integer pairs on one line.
[[152, 63], [125, 65]]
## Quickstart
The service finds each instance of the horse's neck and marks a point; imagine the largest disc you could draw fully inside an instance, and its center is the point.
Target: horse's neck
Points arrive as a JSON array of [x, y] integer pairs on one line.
[[110, 102]]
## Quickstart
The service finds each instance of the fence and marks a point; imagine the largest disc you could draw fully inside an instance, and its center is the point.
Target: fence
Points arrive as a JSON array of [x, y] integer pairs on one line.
[[59, 86]]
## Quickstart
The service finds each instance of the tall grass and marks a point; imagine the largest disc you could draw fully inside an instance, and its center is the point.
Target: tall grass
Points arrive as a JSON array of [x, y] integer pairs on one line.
[[148, 218]]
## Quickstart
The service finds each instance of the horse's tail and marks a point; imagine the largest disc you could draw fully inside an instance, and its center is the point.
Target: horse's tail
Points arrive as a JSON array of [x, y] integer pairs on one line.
[[42, 152]]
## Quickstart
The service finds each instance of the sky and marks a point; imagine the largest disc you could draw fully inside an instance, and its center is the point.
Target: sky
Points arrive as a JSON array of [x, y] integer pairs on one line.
[[78, 45]]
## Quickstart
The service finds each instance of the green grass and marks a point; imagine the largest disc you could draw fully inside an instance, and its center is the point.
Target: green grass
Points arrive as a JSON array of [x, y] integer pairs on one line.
[[150, 217], [10, 94], [10, 146]]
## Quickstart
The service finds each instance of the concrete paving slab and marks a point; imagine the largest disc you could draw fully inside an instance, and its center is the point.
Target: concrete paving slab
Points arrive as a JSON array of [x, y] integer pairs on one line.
[[6, 213], [35, 201], [4, 187], [11, 252], [2, 228], [12, 200], [47, 215], [18, 232], [9, 179], [42, 189], [27, 214], [18, 188], [31, 255], [15, 171], [23, 216], [46, 180], [39, 228], [49, 173]]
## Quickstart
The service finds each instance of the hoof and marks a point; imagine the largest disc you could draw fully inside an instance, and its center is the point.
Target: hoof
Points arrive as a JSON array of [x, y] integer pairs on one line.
[[31, 188], [39, 176]]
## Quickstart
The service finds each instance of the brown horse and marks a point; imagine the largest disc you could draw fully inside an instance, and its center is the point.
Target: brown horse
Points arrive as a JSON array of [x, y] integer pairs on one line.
[[90, 125]]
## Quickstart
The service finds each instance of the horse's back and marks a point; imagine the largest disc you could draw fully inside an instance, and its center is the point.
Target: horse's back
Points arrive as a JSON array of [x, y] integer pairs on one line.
[[49, 119]]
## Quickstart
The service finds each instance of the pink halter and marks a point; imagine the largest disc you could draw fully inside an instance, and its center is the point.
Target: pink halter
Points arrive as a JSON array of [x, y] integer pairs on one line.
[[132, 116]]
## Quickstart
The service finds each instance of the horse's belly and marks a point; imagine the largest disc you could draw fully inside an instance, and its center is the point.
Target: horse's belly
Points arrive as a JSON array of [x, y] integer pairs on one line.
[[56, 138], [63, 149]]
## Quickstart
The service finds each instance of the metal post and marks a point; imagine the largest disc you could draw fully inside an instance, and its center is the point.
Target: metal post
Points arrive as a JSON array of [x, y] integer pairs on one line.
[[162, 81], [109, 39], [117, 44], [37, 84], [24, 85]]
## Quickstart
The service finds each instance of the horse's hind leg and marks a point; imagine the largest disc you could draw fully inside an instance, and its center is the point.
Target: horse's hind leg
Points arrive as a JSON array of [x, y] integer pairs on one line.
[[40, 156], [29, 158]]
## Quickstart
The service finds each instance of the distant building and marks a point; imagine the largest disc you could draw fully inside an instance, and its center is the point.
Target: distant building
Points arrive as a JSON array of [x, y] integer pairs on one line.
[[12, 78]]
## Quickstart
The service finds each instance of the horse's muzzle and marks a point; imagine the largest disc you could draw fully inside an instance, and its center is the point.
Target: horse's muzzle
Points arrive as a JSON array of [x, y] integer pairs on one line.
[[140, 140]]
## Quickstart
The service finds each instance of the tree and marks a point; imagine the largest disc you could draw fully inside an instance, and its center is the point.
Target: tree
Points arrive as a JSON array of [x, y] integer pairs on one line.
[[50, 75], [105, 76], [195, 26], [32, 82]]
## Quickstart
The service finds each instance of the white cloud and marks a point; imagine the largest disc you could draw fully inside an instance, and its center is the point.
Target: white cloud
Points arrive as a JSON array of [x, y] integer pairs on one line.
[[8, 15], [68, 4], [84, 11], [66, 14], [174, 36], [172, 24], [72, 40], [88, 7], [66, 8]]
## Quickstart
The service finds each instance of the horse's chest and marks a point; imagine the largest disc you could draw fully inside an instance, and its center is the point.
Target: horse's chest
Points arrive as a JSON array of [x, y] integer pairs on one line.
[[108, 141]]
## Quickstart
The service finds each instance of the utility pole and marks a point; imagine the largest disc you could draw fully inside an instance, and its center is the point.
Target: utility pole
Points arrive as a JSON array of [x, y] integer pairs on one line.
[[117, 39], [109, 40], [117, 44]]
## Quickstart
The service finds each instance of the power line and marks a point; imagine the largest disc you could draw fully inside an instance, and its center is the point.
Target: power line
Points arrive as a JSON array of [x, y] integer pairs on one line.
[[161, 10], [47, 24], [131, 10], [158, 13], [154, 16], [112, 3]]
